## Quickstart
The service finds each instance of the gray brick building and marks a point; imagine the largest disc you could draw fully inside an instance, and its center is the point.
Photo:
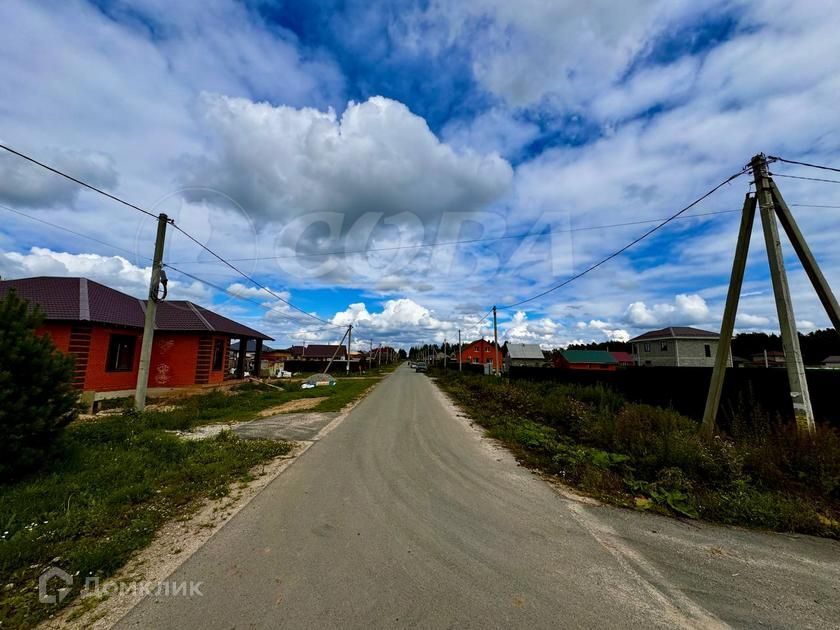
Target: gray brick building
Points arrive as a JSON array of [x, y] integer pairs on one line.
[[677, 346]]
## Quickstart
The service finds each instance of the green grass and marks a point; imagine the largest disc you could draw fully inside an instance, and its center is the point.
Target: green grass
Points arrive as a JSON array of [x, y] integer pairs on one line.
[[244, 402], [651, 458], [115, 480], [111, 485]]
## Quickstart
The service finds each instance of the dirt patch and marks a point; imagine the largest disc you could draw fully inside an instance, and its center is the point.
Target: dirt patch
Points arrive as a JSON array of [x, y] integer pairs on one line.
[[293, 405]]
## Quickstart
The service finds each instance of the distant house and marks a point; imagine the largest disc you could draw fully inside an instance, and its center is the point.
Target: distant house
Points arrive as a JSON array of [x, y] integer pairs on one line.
[[103, 329], [625, 359], [482, 352], [676, 346], [586, 360], [522, 355], [318, 352], [770, 358], [832, 362]]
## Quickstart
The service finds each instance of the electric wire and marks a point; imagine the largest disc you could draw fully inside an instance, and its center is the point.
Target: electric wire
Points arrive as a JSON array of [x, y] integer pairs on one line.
[[462, 241], [74, 232], [232, 294], [629, 245], [810, 179], [250, 279], [808, 164], [79, 181], [170, 221]]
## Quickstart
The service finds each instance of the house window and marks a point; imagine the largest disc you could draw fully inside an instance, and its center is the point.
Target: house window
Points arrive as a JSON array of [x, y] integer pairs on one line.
[[218, 354], [121, 353], [663, 346], [647, 347], [475, 360], [708, 350]]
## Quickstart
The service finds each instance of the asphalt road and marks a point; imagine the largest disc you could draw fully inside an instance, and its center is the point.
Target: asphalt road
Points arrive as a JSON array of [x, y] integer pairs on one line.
[[404, 516]]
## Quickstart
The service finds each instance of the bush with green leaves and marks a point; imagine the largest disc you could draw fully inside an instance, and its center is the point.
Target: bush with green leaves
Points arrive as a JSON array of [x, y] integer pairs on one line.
[[37, 399]]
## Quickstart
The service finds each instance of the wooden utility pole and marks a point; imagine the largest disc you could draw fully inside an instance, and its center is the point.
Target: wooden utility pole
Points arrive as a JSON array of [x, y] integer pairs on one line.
[[444, 354], [771, 204], [495, 344], [784, 305], [460, 360], [151, 311], [728, 324]]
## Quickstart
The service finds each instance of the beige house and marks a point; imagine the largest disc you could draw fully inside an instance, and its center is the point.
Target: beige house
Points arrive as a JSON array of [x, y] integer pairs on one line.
[[677, 346]]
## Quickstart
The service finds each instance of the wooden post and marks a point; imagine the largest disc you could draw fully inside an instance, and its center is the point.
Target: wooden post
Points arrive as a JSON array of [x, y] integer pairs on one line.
[[258, 358], [151, 311], [784, 306], [807, 259], [728, 323], [240, 357], [495, 344]]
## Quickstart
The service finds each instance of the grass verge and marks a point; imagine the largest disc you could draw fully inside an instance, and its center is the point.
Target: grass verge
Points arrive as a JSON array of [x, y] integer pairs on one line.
[[114, 481], [244, 402], [650, 458]]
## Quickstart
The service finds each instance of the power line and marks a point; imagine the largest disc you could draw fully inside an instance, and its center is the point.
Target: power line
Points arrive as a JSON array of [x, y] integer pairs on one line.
[[465, 241], [630, 244], [74, 232], [810, 179], [250, 279], [811, 205], [79, 181], [819, 166], [171, 222], [225, 290]]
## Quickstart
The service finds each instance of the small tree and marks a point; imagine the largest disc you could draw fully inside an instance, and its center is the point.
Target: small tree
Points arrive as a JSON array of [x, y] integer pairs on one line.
[[37, 399]]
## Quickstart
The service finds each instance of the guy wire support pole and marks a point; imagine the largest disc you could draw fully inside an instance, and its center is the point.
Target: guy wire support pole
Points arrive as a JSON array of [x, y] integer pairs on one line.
[[349, 334]]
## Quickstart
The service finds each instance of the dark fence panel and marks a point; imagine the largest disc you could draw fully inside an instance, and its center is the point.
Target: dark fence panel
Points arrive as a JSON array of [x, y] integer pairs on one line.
[[337, 367], [761, 391], [468, 368]]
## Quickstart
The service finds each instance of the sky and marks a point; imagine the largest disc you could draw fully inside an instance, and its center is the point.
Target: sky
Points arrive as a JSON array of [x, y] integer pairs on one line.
[[405, 166]]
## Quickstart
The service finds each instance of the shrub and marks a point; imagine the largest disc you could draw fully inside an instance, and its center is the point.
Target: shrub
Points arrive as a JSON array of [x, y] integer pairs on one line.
[[37, 399]]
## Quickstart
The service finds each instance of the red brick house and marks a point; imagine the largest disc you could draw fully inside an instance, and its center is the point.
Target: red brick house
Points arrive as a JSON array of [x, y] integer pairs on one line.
[[481, 352], [103, 328]]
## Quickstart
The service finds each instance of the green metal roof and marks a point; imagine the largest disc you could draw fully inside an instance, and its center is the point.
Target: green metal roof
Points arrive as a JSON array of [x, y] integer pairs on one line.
[[588, 356]]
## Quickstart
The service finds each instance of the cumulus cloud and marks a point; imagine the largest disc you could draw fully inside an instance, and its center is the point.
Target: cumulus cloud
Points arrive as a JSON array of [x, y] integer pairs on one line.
[[25, 184], [396, 315], [279, 162], [686, 309], [113, 271]]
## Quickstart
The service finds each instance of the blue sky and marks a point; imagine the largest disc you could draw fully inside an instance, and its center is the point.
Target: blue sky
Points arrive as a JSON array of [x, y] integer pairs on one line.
[[289, 136]]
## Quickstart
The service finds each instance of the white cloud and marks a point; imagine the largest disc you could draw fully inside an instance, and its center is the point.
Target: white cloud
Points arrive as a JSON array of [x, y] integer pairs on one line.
[[25, 184], [686, 309], [113, 271], [494, 130], [748, 320], [279, 162]]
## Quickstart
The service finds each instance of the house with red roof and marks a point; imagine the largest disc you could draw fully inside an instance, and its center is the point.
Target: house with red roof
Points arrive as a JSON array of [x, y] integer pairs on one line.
[[625, 359], [103, 328]]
